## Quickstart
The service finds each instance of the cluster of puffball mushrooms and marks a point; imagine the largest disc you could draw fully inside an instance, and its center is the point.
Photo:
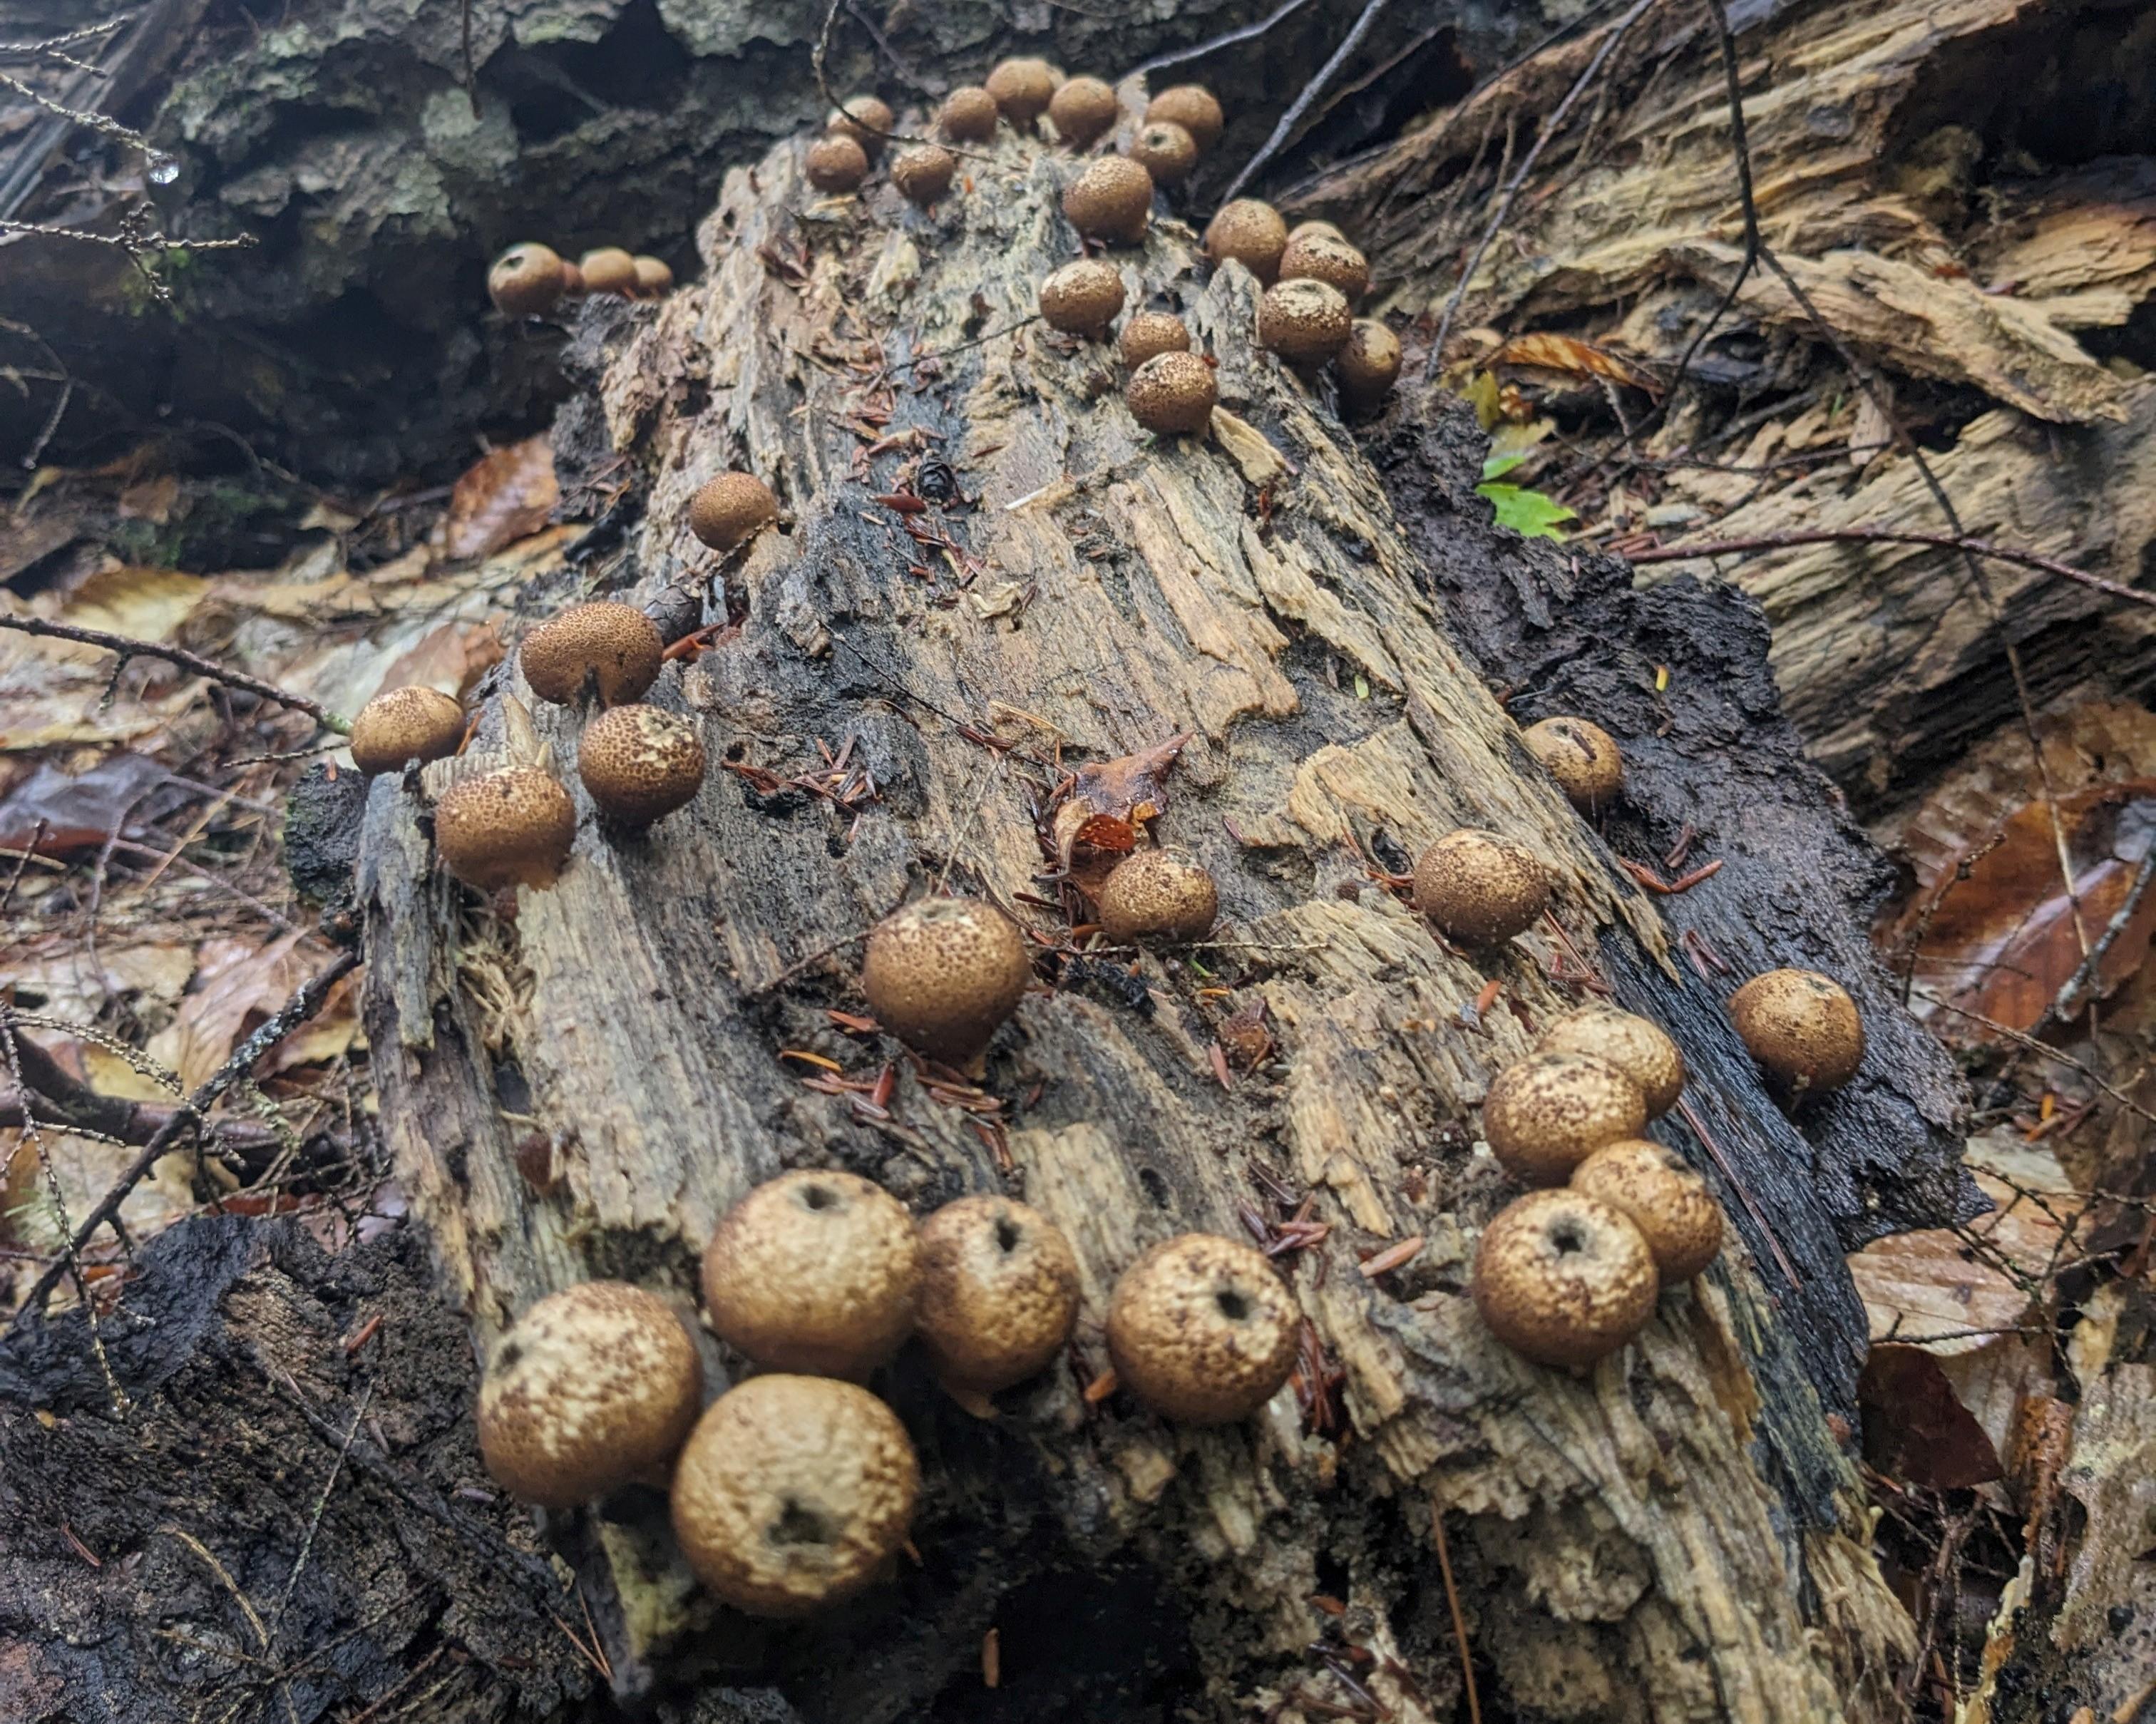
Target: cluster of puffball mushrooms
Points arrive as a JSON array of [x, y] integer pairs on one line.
[[528, 280], [797, 1487]]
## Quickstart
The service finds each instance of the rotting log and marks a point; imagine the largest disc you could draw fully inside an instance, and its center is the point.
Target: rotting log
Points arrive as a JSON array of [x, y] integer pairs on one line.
[[585, 1088]]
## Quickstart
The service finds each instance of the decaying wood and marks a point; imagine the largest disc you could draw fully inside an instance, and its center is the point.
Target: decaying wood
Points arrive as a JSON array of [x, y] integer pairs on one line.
[[1896, 186], [585, 1088]]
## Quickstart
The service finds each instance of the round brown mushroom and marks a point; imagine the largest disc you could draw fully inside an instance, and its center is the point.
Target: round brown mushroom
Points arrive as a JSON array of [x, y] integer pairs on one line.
[[1081, 110], [1023, 88], [1304, 230], [1546, 1114], [941, 974], [526, 280], [816, 1272], [1174, 394], [1664, 1197], [1165, 151], [590, 1388], [923, 172], [1192, 107], [1163, 893], [572, 278], [1111, 200], [1802, 1027], [729, 509], [640, 763], [1637, 1047], [1201, 1329], [1321, 257], [1306, 322], [1251, 233], [609, 269], [999, 1292], [867, 120], [1146, 333], [1562, 1279], [511, 827], [1082, 299], [836, 162], [1369, 365], [608, 648], [1582, 757], [399, 727], [654, 276], [968, 115], [1479, 887], [792, 1493]]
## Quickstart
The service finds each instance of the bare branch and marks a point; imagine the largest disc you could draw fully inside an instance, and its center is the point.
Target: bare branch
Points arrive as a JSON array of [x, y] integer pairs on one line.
[[130, 648]]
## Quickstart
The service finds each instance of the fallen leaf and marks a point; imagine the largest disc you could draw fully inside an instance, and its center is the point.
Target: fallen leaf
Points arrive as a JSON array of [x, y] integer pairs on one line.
[[143, 604], [1125, 791], [237, 983], [503, 498], [1916, 1429], [1562, 353], [64, 814]]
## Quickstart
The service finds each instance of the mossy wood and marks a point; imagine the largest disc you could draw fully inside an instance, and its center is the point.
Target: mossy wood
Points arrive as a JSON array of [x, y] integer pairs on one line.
[[585, 1089]]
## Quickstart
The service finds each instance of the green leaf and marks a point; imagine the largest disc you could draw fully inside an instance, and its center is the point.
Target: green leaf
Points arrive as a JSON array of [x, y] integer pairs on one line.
[[1497, 466], [1530, 514]]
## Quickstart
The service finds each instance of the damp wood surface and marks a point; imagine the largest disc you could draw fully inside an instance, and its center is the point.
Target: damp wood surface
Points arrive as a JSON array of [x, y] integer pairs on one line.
[[583, 1089]]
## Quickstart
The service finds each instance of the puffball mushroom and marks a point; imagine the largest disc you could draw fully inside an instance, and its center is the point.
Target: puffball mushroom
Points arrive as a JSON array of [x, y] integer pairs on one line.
[[968, 115], [1639, 1049], [1304, 321], [1480, 888], [792, 1493], [1250, 231], [640, 763], [1174, 394], [816, 1272], [1082, 299], [610, 648], [731, 508], [609, 269], [1165, 151], [1201, 1329], [1369, 365], [836, 162], [1022, 87], [867, 120], [1802, 1027], [1562, 1279], [1111, 200], [923, 172], [1146, 333], [590, 1388], [999, 1292], [526, 280], [1323, 257], [1582, 757], [399, 727], [1663, 1196], [654, 276], [1192, 107], [941, 974], [1546, 1114], [1164, 893], [1081, 110], [511, 827], [1304, 230]]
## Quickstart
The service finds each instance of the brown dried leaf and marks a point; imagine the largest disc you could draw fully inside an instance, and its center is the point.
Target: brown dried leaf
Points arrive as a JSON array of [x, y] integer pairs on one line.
[[1562, 353], [505, 496], [1916, 1429]]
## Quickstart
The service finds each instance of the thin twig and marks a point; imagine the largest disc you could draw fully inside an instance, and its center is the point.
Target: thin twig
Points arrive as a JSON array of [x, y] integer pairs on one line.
[[1891, 536], [1548, 129], [128, 647], [1310, 92], [1214, 44], [2067, 1006], [295, 1012], [1458, 1620], [817, 58]]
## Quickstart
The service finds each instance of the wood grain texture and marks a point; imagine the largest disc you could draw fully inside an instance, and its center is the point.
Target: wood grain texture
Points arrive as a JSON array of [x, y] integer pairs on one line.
[[584, 1091]]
